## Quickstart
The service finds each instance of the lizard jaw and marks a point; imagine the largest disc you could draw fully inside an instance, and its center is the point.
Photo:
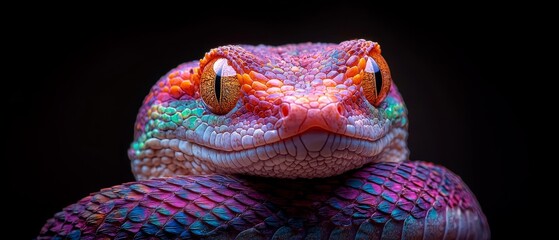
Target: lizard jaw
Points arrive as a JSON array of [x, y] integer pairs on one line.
[[311, 154]]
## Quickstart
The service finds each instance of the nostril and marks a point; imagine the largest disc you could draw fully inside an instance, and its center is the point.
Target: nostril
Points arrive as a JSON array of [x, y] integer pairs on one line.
[[340, 109], [284, 108]]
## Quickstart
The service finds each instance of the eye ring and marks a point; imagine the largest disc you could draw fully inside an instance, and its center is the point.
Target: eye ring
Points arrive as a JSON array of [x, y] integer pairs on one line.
[[219, 86], [376, 79]]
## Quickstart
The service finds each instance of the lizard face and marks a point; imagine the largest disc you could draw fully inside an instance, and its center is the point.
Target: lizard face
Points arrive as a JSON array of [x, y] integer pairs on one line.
[[306, 110]]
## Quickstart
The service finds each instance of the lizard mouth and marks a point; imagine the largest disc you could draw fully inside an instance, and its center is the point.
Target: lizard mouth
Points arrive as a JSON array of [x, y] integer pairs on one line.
[[313, 153], [316, 152]]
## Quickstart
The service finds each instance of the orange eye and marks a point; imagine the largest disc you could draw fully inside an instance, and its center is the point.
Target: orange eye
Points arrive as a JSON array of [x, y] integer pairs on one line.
[[219, 86], [376, 80]]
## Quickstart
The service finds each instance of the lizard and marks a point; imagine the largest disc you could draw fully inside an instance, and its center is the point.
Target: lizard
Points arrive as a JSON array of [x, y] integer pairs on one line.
[[300, 141]]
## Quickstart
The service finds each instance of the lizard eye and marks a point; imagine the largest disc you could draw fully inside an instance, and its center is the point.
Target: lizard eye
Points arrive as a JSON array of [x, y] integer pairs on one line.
[[376, 79], [219, 86]]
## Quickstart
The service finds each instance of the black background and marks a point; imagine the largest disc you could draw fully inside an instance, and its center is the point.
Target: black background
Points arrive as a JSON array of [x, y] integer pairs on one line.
[[80, 78]]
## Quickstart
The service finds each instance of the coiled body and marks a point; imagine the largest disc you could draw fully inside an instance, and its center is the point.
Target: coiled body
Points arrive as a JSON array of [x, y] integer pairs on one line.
[[410, 200]]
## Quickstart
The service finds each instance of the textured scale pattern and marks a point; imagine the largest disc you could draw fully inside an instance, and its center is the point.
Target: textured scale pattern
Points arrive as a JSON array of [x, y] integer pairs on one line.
[[409, 200], [285, 91], [305, 151]]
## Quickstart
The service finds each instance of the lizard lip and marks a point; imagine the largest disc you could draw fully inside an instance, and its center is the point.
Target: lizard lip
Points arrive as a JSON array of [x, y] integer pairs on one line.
[[315, 152], [314, 145], [313, 139]]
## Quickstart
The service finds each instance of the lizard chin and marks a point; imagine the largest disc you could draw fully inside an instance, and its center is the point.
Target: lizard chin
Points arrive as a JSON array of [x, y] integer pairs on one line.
[[317, 153], [314, 153]]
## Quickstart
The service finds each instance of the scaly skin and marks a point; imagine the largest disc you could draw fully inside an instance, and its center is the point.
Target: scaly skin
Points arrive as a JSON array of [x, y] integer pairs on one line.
[[285, 92], [304, 111]]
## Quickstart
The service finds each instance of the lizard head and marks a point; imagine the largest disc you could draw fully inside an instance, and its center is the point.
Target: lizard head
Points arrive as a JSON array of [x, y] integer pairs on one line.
[[292, 111]]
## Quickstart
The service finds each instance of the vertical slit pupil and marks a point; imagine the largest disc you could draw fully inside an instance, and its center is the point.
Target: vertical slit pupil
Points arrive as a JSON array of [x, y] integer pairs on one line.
[[217, 85], [378, 76]]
